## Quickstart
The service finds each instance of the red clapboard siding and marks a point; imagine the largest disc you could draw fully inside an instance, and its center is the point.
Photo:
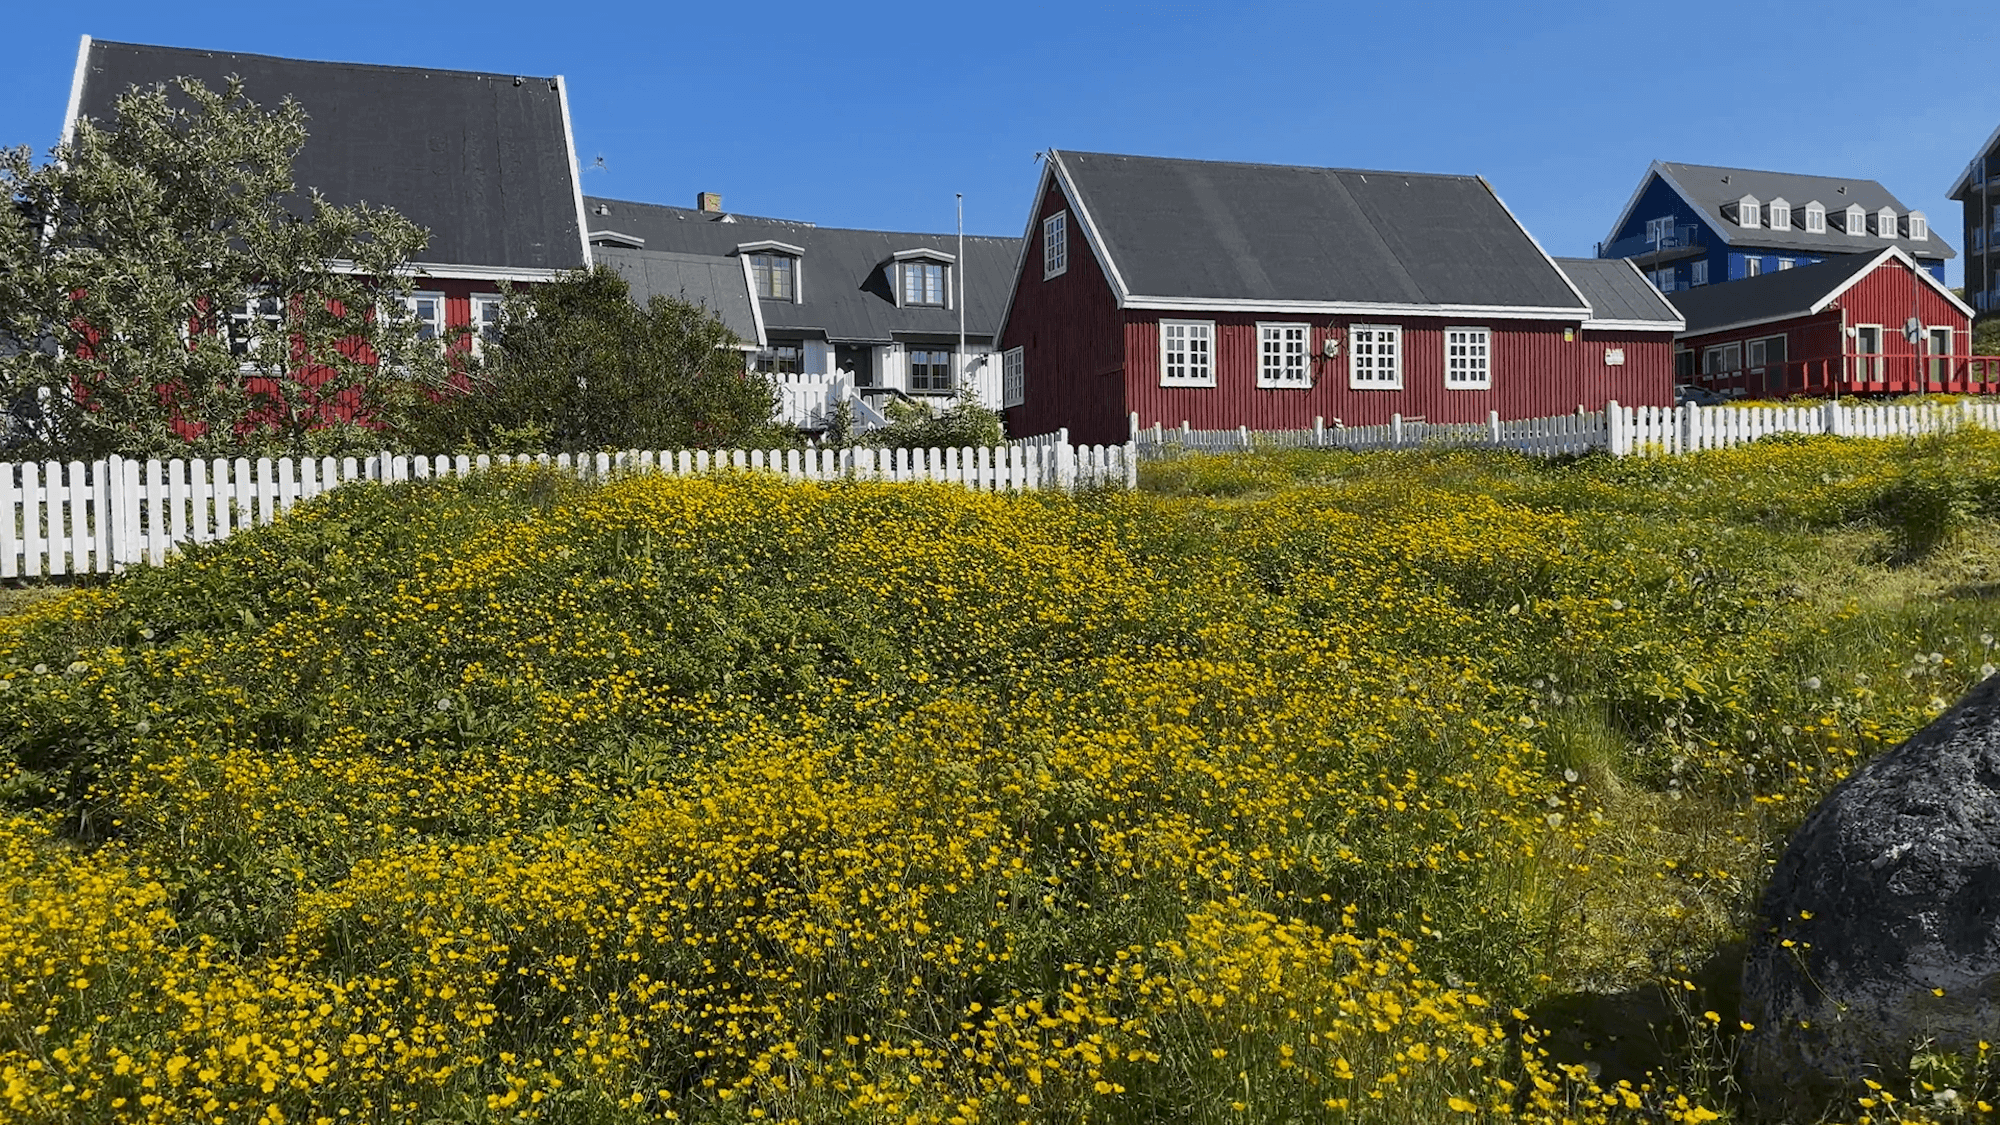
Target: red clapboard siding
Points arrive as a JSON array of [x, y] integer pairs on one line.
[[1536, 373], [1069, 330], [1819, 353]]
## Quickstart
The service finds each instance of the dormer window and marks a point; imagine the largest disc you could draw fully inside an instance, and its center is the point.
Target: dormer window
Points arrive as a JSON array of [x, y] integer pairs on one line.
[[1920, 227], [774, 269], [922, 278], [1749, 212], [1857, 219], [923, 283], [1885, 222], [1815, 217], [1780, 213]]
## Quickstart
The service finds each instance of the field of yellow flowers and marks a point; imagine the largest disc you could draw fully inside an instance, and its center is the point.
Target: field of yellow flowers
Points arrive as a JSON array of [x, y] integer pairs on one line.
[[1290, 788]]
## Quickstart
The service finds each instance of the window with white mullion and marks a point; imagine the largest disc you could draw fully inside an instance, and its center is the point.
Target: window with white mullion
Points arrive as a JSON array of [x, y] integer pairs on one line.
[[1187, 353], [1375, 357], [259, 317], [1282, 355], [1468, 359], [1055, 245], [1013, 377]]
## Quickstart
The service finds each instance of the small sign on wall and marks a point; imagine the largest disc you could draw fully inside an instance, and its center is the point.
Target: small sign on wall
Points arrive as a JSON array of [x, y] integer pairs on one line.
[[1614, 357]]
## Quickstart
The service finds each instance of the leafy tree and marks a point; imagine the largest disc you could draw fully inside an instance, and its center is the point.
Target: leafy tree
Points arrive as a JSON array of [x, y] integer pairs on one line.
[[168, 291], [580, 367]]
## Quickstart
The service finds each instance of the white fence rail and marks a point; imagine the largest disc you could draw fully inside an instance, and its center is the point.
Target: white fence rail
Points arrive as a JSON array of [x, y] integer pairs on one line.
[[1621, 430], [75, 517]]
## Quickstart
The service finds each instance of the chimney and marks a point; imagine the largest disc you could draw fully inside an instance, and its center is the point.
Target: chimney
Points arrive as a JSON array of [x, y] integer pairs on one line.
[[709, 201]]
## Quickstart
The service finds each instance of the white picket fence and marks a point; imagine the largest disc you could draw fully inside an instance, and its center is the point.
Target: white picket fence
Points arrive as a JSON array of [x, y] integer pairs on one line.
[[80, 517], [1646, 431]]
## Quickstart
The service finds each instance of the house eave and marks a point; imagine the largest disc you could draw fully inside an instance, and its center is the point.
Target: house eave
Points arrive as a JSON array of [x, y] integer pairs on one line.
[[1359, 308]]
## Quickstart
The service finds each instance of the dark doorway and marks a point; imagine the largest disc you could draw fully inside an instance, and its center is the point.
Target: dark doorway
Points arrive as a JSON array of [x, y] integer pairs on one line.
[[858, 358]]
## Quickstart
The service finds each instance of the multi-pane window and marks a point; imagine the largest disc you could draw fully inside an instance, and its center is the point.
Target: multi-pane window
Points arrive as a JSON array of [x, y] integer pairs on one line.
[[1013, 377], [1698, 273], [1722, 361], [1815, 219], [1055, 244], [250, 323], [1857, 219], [1282, 359], [1920, 227], [1885, 222], [1375, 357], [782, 359], [486, 310], [1187, 353], [930, 369], [1780, 214], [428, 309], [923, 283], [1660, 231], [1468, 358], [1752, 266], [776, 276], [1663, 280], [1749, 212]]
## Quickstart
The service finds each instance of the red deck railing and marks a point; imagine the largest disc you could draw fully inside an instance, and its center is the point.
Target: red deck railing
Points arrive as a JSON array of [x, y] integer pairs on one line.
[[1862, 374]]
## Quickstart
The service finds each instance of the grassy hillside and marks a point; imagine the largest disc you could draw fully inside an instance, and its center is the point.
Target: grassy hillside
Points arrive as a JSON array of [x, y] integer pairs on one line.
[[1285, 789]]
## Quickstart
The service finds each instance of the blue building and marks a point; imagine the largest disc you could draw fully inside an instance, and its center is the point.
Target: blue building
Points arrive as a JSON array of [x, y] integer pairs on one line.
[[1690, 225], [1977, 188]]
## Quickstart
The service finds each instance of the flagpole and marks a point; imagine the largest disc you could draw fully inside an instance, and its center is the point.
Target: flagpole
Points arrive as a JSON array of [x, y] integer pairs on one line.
[[963, 365]]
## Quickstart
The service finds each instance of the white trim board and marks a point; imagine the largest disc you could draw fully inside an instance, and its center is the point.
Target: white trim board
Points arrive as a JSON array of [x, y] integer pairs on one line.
[[756, 302], [76, 90], [1898, 253], [1964, 181], [575, 175]]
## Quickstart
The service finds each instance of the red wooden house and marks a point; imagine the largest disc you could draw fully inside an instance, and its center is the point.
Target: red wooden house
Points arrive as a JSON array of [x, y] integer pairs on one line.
[[1874, 324], [1266, 296], [485, 162]]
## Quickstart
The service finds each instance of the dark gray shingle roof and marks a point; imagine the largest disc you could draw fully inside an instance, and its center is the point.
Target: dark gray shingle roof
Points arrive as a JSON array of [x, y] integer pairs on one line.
[[1706, 187], [1265, 232], [1771, 296], [481, 160], [842, 281], [715, 283], [1617, 291]]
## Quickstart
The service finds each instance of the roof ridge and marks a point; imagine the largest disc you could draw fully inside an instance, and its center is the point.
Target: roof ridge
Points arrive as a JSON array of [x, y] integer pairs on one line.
[[216, 52], [1270, 164]]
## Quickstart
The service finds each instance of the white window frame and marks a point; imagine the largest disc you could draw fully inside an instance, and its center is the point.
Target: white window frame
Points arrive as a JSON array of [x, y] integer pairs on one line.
[[1284, 355], [1749, 212], [253, 307], [1698, 272], [1663, 280], [1778, 213], [1468, 358], [1815, 218], [1871, 367], [1368, 367], [1188, 345], [1920, 227], [1753, 265], [1885, 222], [1055, 245], [1787, 263], [1659, 230], [1013, 377], [1857, 220], [480, 303], [1725, 360], [414, 304]]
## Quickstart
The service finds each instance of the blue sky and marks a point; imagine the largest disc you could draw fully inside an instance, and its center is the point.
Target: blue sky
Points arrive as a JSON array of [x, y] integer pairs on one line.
[[872, 115]]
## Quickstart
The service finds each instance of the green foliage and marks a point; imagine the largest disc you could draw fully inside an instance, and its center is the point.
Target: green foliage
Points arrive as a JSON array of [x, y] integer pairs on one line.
[[581, 368], [1986, 335], [121, 257], [923, 425]]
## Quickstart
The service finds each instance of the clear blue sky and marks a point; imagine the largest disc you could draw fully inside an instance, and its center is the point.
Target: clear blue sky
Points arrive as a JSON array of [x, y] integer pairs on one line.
[[872, 115]]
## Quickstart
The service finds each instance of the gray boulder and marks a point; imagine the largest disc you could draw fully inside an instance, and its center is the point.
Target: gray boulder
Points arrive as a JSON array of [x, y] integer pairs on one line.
[[1899, 871]]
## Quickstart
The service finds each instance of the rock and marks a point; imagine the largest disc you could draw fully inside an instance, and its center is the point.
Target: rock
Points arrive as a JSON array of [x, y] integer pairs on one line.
[[1887, 896]]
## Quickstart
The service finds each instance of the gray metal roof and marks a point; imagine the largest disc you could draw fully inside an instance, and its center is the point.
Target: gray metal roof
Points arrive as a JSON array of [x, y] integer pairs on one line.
[[843, 281], [1264, 232], [716, 283], [1771, 296], [1618, 292], [1708, 188], [481, 160]]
